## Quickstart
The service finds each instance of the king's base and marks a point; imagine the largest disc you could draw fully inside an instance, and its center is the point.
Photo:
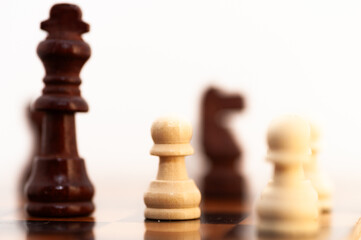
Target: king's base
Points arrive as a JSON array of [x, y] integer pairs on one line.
[[172, 214], [60, 209]]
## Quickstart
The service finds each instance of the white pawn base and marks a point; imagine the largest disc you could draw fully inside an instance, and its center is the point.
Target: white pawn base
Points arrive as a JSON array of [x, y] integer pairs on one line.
[[288, 211]]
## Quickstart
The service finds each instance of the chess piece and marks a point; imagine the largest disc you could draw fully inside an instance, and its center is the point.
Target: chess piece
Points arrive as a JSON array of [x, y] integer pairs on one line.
[[318, 178], [59, 185], [172, 196], [223, 180], [288, 205]]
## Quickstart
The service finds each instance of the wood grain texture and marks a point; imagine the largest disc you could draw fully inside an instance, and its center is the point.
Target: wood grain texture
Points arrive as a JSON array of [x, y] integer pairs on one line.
[[58, 185], [120, 217], [172, 196]]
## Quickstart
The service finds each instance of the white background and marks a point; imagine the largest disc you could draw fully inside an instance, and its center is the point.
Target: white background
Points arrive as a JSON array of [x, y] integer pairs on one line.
[[153, 57]]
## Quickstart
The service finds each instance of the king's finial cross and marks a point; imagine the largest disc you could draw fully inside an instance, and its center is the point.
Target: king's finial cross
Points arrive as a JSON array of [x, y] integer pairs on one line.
[[65, 18]]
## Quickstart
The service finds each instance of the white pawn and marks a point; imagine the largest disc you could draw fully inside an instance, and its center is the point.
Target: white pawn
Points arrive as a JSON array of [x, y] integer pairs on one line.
[[318, 179], [288, 205], [172, 196]]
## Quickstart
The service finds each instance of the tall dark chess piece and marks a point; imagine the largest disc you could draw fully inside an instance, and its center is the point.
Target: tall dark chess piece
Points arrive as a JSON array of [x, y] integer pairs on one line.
[[59, 185], [223, 179]]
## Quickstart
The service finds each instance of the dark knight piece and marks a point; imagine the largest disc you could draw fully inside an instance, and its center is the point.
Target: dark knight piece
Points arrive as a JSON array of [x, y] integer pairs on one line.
[[223, 153]]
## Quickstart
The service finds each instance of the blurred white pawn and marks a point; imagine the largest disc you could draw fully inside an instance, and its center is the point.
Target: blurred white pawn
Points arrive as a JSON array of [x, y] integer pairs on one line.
[[319, 180], [288, 205]]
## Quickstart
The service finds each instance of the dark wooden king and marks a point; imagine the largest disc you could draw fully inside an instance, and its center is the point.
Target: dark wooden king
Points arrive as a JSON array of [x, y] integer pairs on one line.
[[59, 185]]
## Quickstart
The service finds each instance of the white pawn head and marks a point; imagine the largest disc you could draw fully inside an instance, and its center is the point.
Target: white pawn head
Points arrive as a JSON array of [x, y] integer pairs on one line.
[[288, 140], [171, 136]]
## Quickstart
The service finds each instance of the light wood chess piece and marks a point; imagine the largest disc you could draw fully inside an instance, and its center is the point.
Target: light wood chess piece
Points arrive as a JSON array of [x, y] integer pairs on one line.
[[319, 180], [288, 205], [172, 196]]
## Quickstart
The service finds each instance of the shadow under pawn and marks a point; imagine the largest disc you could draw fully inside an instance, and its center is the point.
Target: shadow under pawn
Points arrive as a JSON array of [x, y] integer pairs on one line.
[[159, 230]]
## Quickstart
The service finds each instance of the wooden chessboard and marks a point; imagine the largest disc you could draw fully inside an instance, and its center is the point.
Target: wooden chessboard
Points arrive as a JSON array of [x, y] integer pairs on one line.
[[119, 215]]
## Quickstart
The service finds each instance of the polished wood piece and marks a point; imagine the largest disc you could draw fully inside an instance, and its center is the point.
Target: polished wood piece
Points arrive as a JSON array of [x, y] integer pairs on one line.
[[318, 177], [288, 205], [223, 152], [59, 185], [172, 196]]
